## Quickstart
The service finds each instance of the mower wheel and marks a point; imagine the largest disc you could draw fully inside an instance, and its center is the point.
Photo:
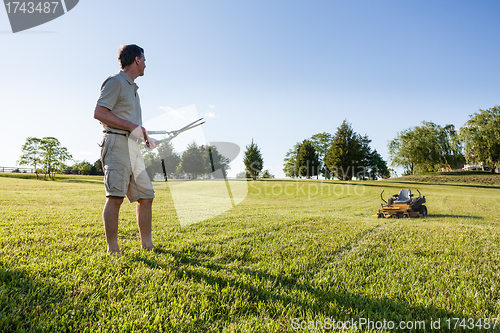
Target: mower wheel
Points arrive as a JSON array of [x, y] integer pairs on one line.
[[423, 210], [379, 216]]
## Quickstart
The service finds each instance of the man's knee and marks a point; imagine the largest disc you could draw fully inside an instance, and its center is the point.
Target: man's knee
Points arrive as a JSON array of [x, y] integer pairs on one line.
[[115, 201], [146, 202]]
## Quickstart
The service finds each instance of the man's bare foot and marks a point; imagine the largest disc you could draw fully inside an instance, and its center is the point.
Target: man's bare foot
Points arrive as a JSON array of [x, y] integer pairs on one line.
[[149, 247], [114, 252]]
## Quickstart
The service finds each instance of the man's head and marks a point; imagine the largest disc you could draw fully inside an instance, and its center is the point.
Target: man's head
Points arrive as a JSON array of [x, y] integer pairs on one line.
[[132, 55]]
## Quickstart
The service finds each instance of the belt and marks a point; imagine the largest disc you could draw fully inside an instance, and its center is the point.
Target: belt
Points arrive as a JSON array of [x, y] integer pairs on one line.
[[133, 138]]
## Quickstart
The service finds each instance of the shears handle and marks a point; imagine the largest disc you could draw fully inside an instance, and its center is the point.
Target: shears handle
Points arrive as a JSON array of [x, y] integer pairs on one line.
[[158, 132]]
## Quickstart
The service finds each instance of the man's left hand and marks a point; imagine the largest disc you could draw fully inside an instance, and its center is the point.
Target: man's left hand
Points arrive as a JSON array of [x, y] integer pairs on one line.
[[153, 143]]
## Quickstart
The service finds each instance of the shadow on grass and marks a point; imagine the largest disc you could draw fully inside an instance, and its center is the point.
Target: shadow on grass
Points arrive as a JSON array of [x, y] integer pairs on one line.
[[21, 298], [447, 184], [21, 175], [455, 216], [95, 181], [79, 179], [324, 182], [291, 291]]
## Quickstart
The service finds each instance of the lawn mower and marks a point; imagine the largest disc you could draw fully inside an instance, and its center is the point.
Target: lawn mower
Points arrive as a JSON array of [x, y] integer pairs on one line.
[[403, 205]]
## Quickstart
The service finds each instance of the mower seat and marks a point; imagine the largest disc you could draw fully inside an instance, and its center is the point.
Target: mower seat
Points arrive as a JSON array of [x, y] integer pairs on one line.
[[403, 196]]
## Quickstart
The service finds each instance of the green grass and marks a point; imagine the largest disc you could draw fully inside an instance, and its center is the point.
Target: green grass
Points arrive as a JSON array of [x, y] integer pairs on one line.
[[311, 252]]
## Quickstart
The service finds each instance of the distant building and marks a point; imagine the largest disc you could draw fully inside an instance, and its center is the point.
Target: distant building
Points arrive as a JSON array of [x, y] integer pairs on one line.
[[479, 166], [476, 166], [471, 167]]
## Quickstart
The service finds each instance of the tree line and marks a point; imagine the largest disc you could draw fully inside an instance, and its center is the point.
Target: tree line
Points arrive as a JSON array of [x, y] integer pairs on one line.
[[344, 155], [84, 168], [197, 161]]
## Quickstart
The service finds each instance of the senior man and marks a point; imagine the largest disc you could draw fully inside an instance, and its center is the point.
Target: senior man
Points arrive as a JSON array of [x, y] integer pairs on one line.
[[119, 111]]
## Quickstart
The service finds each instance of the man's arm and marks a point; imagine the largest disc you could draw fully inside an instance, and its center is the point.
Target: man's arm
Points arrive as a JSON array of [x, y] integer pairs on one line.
[[105, 116]]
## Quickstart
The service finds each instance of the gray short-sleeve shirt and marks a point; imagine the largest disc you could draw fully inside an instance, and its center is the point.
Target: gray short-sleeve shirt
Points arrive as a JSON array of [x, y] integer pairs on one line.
[[119, 95]]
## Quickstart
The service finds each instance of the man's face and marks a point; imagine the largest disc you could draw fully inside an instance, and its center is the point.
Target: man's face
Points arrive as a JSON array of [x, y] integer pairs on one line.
[[141, 63]]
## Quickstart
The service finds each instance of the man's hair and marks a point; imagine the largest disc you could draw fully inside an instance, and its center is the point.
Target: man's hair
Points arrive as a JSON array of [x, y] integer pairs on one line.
[[127, 54]]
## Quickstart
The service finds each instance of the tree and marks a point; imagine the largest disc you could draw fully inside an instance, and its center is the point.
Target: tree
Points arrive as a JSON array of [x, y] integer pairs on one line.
[[402, 152], [215, 161], [170, 157], [253, 160], [481, 136], [451, 147], [378, 167], [87, 169], [151, 161], [53, 155], [426, 148], [345, 155], [75, 169], [46, 152], [242, 174], [82, 168], [266, 174], [32, 154], [98, 167], [290, 162], [307, 160], [365, 157], [193, 161], [321, 143]]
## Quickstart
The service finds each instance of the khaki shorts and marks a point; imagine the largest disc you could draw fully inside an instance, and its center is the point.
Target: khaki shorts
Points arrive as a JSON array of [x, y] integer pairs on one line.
[[124, 170]]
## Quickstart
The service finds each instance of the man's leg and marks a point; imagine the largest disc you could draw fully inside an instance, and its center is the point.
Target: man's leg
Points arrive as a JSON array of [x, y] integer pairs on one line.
[[144, 217], [110, 218]]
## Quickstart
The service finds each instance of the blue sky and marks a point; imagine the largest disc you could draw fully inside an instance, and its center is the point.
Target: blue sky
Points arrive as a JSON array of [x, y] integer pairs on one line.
[[275, 71]]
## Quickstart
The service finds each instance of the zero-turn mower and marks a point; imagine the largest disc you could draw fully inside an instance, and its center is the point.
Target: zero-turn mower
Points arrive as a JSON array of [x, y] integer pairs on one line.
[[403, 205]]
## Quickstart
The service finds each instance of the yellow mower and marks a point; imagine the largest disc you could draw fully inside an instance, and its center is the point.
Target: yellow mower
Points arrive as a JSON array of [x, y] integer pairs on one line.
[[403, 205]]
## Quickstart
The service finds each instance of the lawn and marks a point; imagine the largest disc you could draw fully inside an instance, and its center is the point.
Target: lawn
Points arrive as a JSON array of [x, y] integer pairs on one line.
[[292, 256]]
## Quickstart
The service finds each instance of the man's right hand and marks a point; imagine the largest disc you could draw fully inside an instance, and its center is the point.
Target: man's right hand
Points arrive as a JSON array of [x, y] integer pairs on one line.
[[140, 132]]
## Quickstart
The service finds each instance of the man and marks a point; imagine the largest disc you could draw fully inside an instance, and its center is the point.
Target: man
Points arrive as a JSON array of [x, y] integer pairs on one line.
[[119, 111]]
